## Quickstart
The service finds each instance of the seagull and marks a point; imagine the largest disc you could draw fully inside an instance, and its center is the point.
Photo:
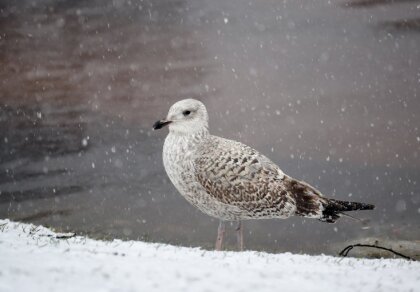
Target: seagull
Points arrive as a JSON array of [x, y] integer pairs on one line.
[[231, 181]]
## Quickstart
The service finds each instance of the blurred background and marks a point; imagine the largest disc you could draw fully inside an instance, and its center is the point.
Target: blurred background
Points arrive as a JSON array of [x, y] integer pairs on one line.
[[327, 89]]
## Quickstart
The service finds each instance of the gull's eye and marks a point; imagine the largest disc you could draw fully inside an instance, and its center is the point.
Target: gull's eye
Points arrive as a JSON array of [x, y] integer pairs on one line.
[[186, 113]]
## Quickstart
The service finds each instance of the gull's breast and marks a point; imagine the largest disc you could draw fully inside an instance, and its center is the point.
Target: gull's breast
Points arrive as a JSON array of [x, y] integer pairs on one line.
[[178, 160]]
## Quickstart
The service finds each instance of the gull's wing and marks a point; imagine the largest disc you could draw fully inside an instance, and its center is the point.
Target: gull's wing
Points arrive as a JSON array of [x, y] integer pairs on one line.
[[238, 175]]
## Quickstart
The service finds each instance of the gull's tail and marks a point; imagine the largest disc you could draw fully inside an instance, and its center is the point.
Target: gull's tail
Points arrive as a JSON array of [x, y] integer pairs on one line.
[[333, 209], [310, 202]]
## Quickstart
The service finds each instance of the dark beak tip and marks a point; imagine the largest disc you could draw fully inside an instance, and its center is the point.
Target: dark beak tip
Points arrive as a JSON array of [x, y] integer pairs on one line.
[[156, 125]]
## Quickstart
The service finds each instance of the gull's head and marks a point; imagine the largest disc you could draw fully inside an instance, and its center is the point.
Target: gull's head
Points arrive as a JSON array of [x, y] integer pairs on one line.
[[187, 116]]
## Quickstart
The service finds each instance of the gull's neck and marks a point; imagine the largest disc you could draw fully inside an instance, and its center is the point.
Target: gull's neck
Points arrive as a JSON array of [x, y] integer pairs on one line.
[[185, 144]]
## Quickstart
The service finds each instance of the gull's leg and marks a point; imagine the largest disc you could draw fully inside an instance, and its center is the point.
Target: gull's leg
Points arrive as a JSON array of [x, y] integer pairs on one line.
[[220, 235], [240, 236]]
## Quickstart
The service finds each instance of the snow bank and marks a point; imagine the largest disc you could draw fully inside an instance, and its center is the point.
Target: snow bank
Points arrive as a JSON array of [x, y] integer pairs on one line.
[[33, 259]]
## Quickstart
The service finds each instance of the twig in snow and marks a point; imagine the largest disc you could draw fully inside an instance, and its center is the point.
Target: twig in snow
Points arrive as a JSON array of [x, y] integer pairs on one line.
[[64, 235], [347, 249]]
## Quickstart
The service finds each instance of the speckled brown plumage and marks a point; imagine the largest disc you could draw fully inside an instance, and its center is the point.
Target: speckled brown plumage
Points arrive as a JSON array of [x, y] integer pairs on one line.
[[237, 175]]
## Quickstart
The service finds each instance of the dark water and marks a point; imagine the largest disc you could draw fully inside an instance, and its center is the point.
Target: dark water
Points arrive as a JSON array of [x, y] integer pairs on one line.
[[329, 90]]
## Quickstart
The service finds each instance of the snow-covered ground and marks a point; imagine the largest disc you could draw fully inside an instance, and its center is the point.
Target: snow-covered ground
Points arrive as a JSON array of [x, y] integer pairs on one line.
[[33, 259]]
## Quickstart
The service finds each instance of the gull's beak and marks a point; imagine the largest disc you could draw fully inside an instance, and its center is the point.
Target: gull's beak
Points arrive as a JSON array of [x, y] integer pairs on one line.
[[160, 124]]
